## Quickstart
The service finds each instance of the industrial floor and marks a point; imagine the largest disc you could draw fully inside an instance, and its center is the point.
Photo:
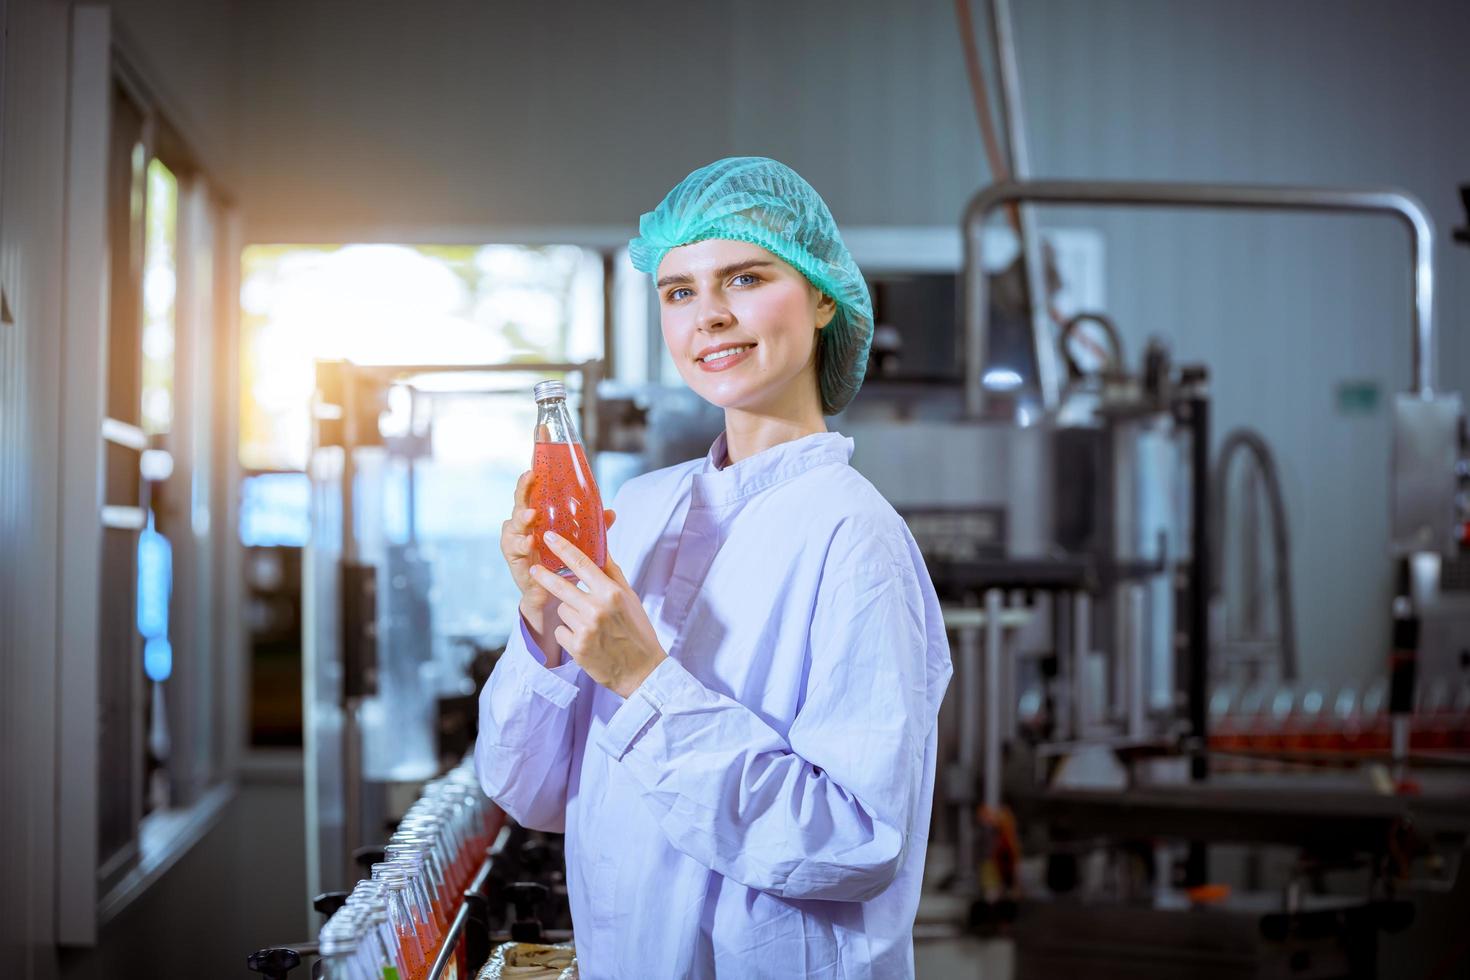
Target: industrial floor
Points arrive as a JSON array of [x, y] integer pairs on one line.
[[962, 959], [941, 954]]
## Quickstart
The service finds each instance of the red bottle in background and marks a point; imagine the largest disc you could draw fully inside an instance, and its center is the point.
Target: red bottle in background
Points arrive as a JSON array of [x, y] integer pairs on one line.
[[564, 493]]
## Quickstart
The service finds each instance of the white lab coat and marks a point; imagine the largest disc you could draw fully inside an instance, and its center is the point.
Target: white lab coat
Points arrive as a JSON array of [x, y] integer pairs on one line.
[[760, 806]]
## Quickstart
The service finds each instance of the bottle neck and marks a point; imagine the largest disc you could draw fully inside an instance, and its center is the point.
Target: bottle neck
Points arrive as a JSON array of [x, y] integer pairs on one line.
[[554, 421]]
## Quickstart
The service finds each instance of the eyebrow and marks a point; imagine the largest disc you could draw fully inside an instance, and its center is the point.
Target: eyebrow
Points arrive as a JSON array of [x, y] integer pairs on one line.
[[720, 273]]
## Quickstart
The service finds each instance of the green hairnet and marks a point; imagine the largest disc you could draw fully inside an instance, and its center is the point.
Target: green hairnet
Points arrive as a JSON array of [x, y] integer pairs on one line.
[[762, 201]]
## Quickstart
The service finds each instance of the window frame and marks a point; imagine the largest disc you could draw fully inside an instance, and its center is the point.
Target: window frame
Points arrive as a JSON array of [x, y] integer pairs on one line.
[[93, 888]]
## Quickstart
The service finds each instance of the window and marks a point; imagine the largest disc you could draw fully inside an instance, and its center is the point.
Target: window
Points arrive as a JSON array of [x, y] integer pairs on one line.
[[378, 304], [159, 770], [160, 286], [399, 304]]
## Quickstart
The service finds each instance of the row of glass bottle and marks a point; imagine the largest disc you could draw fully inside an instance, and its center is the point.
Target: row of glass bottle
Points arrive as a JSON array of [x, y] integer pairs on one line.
[[394, 924], [1316, 717]]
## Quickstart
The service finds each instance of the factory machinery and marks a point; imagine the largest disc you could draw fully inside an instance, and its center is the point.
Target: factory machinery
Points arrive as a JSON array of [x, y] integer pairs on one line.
[[1118, 806]]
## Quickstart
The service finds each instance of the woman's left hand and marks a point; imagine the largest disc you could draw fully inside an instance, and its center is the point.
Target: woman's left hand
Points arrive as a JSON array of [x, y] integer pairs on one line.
[[605, 629]]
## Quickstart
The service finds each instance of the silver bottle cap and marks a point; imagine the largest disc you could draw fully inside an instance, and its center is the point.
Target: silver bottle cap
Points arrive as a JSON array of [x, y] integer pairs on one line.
[[549, 389]]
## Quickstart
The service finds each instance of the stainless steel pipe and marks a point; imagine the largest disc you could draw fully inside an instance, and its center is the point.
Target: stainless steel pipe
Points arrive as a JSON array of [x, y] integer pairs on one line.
[[990, 775], [1397, 203]]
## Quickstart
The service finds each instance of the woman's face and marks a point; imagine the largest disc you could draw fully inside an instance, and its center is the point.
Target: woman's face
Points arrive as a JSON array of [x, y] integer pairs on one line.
[[718, 294]]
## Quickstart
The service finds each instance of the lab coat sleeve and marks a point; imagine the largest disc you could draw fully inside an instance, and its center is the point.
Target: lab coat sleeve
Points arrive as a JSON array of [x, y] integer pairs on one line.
[[524, 749], [825, 812]]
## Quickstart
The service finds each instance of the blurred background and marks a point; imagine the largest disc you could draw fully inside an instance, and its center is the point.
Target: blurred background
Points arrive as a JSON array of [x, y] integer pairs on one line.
[[1172, 305]]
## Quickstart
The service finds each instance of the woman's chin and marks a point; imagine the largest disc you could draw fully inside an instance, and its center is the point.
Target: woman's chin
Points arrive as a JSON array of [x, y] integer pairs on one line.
[[737, 397], [721, 395], [739, 394]]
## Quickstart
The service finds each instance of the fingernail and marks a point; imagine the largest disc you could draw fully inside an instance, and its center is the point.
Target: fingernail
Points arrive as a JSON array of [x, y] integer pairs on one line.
[[552, 536]]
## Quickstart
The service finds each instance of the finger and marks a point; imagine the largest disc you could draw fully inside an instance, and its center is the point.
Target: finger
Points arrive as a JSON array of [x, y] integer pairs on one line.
[[523, 489], [608, 516], [615, 572], [564, 637], [515, 544], [572, 617], [584, 568], [516, 538], [523, 520], [558, 586]]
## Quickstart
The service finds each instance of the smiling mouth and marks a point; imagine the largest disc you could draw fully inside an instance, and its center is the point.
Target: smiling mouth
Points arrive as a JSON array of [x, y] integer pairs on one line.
[[722, 354]]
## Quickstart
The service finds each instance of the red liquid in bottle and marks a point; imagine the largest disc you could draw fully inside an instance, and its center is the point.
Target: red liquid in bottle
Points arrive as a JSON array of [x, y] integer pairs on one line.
[[566, 500], [412, 955]]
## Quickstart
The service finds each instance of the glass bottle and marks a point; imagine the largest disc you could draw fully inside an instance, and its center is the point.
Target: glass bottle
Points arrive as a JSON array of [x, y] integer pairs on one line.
[[1374, 736], [462, 803], [413, 853], [1224, 722], [337, 945], [428, 818], [436, 823], [1461, 724], [386, 957], [1433, 715], [434, 831], [408, 928], [367, 943], [1346, 721], [564, 494], [1306, 727]]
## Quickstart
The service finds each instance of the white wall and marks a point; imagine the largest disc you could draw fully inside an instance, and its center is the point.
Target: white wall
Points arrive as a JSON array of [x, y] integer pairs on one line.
[[188, 52], [582, 113]]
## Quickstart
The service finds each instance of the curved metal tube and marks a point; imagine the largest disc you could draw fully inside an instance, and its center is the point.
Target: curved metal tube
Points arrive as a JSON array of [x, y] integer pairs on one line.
[[1252, 443], [1233, 196]]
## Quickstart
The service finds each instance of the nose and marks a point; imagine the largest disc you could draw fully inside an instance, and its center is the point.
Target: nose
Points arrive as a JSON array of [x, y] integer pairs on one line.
[[714, 314]]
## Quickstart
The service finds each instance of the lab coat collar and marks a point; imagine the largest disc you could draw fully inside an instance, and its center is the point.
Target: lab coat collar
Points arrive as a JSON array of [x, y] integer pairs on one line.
[[714, 486]]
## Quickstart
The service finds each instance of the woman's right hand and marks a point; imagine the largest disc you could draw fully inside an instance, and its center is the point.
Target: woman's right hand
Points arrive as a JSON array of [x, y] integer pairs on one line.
[[518, 543]]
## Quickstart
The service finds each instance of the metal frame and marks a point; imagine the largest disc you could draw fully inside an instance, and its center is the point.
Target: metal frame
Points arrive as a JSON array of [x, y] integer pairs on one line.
[[1396, 203], [1328, 817], [232, 676], [590, 370], [1013, 118], [84, 430], [194, 706], [984, 676]]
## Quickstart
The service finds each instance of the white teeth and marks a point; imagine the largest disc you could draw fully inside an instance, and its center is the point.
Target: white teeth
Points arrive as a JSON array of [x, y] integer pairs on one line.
[[726, 353]]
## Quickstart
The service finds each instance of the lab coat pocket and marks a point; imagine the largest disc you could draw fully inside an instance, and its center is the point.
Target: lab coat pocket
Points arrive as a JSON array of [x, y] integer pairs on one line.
[[760, 935]]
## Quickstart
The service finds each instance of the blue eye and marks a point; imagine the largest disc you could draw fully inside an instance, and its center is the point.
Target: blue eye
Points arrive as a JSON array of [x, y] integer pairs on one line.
[[746, 275], [674, 293]]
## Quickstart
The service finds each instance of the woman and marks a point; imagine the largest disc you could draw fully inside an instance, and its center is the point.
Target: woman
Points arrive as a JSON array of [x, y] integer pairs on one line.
[[737, 732]]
